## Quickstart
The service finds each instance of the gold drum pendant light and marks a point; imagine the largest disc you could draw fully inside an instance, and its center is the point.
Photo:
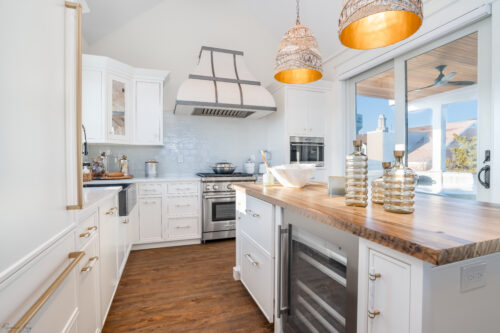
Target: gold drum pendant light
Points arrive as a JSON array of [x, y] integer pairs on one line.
[[298, 59], [369, 24]]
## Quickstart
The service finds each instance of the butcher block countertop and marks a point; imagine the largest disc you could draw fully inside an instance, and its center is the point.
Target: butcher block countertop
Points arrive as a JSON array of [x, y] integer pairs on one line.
[[441, 230]]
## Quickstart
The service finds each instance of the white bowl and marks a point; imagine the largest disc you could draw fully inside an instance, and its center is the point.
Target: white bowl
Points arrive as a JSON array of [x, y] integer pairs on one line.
[[293, 175]]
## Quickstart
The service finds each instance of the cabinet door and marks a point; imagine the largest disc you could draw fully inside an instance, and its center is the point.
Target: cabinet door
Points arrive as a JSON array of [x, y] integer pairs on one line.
[[316, 113], [150, 216], [118, 109], [108, 220], [92, 105], [148, 113], [389, 294], [88, 300], [123, 234], [296, 112]]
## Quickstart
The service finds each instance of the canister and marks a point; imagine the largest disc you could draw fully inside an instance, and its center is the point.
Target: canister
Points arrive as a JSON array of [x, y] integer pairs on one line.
[[151, 169]]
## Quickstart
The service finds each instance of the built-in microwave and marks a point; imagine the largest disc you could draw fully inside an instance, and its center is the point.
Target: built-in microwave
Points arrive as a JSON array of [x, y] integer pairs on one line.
[[307, 150]]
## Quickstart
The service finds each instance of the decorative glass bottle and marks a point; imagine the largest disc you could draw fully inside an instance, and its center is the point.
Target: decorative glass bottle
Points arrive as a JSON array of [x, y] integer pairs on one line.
[[356, 171], [378, 185], [399, 184]]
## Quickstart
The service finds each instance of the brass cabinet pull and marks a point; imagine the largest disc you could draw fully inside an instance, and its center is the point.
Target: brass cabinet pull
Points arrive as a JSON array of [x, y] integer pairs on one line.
[[373, 314], [255, 215], [91, 264], [92, 228], [373, 276], [184, 227], [252, 261], [33, 310], [125, 221], [85, 235], [248, 210]]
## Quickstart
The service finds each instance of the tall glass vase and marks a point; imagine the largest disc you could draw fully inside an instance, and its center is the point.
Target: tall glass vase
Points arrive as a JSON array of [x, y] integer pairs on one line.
[[378, 188], [356, 169], [399, 184]]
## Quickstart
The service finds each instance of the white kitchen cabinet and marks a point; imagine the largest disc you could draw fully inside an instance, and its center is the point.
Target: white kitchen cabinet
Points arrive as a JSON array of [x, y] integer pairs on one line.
[[306, 114], [149, 105], [121, 104], [182, 228], [389, 294], [150, 215], [88, 291], [108, 234], [123, 242], [257, 275]]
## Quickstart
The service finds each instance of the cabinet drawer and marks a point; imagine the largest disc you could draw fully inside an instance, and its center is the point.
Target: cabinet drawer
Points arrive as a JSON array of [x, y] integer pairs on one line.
[[257, 275], [182, 227], [182, 206], [89, 297], [87, 227], [150, 189], [257, 223], [150, 219], [182, 188]]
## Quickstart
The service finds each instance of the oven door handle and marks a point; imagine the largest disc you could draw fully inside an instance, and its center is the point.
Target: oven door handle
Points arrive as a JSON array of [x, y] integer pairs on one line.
[[219, 196]]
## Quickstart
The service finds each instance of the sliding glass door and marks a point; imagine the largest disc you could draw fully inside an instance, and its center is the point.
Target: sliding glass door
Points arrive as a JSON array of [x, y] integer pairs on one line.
[[436, 101]]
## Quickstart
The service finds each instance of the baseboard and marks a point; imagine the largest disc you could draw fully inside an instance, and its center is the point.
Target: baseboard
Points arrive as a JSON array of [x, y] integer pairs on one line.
[[165, 244]]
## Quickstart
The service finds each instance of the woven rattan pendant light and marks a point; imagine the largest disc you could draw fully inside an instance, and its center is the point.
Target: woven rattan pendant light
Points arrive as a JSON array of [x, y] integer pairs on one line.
[[369, 24], [298, 59]]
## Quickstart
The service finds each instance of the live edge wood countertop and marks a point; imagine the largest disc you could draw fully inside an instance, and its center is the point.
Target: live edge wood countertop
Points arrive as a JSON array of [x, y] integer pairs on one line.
[[440, 231]]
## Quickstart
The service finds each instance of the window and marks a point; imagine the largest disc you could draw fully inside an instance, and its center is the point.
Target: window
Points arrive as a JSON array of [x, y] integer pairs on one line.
[[375, 117], [433, 100], [442, 117]]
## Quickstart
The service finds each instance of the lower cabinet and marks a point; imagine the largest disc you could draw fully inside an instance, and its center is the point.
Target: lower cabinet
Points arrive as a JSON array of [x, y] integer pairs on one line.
[[388, 294], [257, 274], [89, 297], [181, 228], [150, 213], [109, 232]]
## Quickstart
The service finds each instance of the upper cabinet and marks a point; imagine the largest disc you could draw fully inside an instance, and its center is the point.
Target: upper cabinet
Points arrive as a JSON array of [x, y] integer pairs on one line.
[[121, 104]]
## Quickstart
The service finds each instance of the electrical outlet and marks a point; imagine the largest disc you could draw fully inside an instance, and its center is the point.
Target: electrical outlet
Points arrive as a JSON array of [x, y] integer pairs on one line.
[[472, 277]]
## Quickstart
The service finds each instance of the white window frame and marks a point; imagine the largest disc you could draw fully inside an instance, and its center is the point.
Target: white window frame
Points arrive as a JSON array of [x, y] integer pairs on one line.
[[483, 28]]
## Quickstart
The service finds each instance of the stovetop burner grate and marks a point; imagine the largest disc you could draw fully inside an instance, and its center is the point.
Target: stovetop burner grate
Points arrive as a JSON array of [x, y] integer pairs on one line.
[[236, 174]]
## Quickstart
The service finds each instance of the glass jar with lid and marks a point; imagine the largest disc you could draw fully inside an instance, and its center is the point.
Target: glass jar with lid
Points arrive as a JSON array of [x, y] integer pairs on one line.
[[378, 185], [356, 169], [399, 184]]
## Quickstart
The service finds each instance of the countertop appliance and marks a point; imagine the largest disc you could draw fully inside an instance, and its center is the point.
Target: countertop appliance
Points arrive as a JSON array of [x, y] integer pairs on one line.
[[127, 197], [307, 150], [318, 276], [219, 204]]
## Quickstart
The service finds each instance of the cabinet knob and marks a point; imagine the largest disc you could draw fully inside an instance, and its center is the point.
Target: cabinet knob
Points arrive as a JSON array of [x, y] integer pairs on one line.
[[373, 314], [374, 276]]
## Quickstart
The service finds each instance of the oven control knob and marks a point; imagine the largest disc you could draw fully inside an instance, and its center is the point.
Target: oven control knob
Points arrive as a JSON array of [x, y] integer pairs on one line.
[[207, 187], [215, 187], [229, 186]]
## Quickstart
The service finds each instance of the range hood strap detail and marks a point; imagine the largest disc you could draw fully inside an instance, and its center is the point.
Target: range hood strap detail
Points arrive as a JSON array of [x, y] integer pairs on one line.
[[223, 79], [213, 74], [238, 78], [216, 49], [227, 106]]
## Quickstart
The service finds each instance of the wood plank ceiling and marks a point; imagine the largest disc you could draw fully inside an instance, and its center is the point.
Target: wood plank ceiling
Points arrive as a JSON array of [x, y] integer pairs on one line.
[[459, 56]]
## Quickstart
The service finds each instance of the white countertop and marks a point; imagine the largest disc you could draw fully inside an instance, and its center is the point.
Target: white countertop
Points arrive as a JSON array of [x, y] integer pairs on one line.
[[180, 178]]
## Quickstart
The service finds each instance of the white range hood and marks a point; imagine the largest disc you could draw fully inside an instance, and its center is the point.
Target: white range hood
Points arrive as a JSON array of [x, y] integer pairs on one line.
[[222, 86]]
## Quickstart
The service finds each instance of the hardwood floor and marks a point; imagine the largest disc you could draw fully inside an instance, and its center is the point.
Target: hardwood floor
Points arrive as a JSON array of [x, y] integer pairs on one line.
[[184, 289]]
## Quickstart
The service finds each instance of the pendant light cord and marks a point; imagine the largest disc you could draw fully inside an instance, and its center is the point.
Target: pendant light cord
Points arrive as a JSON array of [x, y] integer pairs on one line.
[[297, 22]]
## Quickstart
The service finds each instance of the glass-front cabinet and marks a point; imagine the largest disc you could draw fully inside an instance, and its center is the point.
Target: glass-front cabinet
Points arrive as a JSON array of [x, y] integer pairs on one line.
[[119, 106]]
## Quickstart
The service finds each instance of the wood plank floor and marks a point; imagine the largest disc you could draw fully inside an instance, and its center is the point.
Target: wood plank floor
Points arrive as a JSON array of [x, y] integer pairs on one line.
[[184, 289]]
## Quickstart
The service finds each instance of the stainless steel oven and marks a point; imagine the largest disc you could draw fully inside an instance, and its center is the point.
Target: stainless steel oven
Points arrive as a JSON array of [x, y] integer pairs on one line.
[[310, 150], [317, 276], [219, 204]]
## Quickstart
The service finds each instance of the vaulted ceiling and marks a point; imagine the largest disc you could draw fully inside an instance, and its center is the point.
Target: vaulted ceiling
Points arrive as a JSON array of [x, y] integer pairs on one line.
[[277, 16]]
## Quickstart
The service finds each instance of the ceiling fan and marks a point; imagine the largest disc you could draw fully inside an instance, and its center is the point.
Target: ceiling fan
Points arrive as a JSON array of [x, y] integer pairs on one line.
[[444, 80]]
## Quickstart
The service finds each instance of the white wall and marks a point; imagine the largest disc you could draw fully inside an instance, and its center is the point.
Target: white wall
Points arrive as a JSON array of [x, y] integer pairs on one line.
[[32, 160], [169, 36]]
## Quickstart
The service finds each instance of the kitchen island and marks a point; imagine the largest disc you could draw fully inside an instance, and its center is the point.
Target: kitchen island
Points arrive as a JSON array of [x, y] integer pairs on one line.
[[437, 270]]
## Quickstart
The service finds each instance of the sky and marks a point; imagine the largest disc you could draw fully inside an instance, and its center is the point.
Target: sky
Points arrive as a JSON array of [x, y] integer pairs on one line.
[[371, 108]]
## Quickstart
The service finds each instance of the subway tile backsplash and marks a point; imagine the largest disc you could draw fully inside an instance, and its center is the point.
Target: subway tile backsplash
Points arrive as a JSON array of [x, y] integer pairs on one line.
[[194, 143]]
